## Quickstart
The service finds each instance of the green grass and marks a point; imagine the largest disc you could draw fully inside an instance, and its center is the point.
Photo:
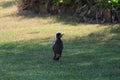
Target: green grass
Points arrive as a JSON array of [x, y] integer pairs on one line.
[[91, 51]]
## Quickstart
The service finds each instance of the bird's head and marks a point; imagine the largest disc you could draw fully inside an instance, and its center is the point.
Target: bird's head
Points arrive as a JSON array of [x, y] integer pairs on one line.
[[59, 35]]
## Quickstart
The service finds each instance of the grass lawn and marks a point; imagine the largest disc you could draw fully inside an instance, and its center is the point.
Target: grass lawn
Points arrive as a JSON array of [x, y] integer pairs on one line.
[[91, 51]]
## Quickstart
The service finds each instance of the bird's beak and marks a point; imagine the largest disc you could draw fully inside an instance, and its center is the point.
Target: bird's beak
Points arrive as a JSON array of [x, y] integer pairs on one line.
[[62, 35]]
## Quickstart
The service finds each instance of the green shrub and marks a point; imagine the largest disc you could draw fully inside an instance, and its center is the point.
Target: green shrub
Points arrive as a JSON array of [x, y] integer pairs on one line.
[[109, 4], [115, 4]]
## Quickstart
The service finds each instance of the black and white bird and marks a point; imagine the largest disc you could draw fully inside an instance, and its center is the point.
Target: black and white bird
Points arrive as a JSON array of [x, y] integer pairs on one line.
[[57, 46]]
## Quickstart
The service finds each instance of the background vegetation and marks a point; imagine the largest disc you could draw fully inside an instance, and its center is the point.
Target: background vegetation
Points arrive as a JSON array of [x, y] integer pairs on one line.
[[89, 11]]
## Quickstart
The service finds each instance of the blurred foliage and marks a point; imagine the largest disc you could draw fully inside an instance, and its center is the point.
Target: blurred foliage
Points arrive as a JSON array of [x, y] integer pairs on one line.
[[108, 4], [115, 4]]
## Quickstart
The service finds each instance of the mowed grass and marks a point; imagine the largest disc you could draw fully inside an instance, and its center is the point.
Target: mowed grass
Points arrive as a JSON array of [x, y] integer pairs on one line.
[[91, 51]]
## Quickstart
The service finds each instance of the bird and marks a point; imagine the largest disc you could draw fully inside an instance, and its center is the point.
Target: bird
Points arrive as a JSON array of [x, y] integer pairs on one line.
[[57, 46]]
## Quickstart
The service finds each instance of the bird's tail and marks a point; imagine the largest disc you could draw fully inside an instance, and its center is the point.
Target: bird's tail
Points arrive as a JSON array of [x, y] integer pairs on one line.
[[56, 57]]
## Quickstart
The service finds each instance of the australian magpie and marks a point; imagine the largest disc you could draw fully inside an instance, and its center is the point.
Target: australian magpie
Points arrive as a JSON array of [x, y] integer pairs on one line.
[[57, 46]]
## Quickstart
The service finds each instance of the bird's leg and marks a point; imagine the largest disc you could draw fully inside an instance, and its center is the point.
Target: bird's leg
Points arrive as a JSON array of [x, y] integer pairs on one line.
[[54, 57], [60, 62]]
